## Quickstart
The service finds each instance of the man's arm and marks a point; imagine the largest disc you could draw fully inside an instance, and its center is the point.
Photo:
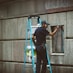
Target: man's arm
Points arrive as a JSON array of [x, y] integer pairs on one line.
[[52, 33], [33, 39]]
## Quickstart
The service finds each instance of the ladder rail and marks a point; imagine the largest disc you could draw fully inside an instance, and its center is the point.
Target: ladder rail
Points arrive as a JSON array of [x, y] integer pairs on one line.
[[29, 28], [32, 49], [25, 47], [48, 58]]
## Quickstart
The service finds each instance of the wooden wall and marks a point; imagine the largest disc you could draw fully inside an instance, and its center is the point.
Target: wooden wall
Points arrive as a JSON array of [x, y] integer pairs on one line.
[[12, 33], [28, 7]]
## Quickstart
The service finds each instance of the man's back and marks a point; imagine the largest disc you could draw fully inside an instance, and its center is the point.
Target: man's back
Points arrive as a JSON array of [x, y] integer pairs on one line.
[[41, 34]]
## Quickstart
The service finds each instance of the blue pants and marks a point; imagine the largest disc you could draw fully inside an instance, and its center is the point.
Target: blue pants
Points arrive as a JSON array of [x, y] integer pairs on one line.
[[41, 59]]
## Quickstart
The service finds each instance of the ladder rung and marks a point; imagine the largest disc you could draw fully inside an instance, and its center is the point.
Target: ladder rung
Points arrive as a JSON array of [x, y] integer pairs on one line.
[[48, 65], [34, 26]]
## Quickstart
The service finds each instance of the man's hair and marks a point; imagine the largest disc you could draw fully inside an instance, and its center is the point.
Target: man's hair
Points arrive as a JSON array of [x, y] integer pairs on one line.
[[44, 22]]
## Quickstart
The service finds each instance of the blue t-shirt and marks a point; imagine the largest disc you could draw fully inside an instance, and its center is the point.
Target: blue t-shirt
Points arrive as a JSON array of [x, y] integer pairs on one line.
[[41, 34]]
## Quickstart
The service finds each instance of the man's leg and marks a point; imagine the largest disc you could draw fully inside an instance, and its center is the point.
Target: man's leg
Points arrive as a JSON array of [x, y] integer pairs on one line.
[[38, 66], [44, 59], [44, 67], [38, 63]]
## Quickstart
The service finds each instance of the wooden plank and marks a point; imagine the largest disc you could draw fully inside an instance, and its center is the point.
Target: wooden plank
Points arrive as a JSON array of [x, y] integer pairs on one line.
[[57, 59], [43, 17], [10, 28], [69, 28], [14, 28], [1, 67], [18, 50], [8, 68], [0, 30], [4, 68], [21, 27], [71, 52], [39, 5], [57, 3], [52, 19], [7, 50], [3, 11], [62, 69], [68, 58], [1, 50], [13, 50], [18, 68], [57, 19]]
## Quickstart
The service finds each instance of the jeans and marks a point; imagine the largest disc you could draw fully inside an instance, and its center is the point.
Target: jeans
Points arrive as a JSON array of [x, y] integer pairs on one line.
[[41, 59]]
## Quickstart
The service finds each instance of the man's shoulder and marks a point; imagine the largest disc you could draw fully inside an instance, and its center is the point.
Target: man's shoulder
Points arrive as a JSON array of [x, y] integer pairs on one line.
[[38, 28]]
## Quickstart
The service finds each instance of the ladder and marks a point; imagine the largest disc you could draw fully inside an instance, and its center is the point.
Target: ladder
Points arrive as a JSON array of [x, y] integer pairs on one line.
[[29, 34]]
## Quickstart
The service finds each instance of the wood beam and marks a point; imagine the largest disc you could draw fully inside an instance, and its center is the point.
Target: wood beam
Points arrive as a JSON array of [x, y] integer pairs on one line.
[[48, 11], [65, 65], [61, 9]]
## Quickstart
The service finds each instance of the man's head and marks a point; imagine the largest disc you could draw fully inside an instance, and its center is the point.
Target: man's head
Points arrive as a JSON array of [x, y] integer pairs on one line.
[[44, 24]]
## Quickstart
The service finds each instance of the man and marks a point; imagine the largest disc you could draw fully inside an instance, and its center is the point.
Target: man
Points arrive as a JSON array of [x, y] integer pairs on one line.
[[40, 36]]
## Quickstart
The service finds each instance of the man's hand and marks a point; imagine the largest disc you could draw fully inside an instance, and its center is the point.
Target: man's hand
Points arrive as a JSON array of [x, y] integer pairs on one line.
[[56, 29], [33, 39]]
